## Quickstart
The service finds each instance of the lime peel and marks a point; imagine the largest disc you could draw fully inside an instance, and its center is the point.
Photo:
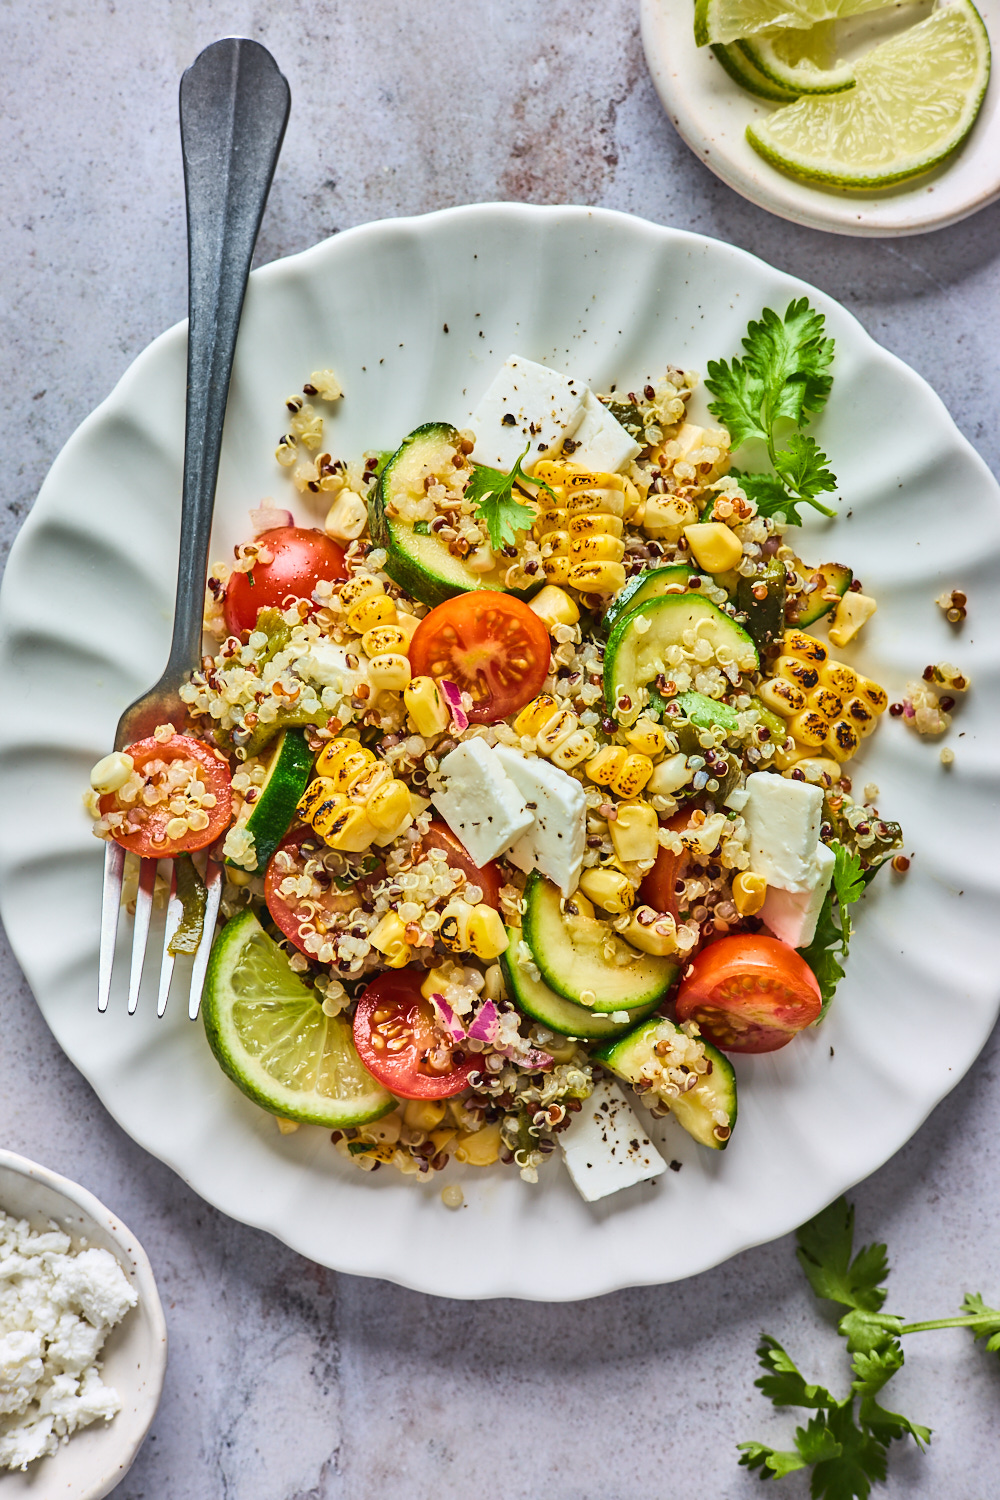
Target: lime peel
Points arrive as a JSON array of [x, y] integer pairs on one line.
[[728, 20], [800, 62]]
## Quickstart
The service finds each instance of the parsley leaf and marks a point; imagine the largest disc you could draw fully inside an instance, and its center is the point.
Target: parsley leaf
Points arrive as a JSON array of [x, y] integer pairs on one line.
[[832, 937], [492, 494], [783, 376], [783, 1383], [825, 1249], [974, 1306]]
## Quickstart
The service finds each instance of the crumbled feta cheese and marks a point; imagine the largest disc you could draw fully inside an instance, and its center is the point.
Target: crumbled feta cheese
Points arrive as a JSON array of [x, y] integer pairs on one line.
[[527, 406], [606, 1147], [56, 1309], [601, 442], [783, 821], [479, 802], [557, 839]]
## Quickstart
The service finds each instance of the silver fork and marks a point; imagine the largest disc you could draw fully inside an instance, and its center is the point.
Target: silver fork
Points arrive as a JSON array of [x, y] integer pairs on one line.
[[233, 110]]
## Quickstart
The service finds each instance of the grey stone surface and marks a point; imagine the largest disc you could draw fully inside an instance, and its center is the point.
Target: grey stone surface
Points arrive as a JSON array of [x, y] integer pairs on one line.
[[286, 1381]]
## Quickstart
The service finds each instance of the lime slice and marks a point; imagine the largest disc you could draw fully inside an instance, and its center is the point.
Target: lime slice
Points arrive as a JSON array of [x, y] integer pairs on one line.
[[800, 62], [274, 810], [915, 101], [726, 20], [269, 1033], [742, 71]]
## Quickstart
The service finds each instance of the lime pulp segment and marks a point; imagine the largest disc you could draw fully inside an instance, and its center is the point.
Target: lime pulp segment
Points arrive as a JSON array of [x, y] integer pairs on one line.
[[727, 20], [915, 100], [271, 1036]]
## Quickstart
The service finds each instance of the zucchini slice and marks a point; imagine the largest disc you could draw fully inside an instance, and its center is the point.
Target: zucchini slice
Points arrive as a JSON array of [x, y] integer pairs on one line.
[[569, 951], [649, 585], [537, 1000], [636, 649], [805, 609], [635, 1059], [286, 780], [420, 563]]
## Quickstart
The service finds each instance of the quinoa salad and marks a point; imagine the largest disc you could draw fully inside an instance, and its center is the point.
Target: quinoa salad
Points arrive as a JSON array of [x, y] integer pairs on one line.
[[530, 770]]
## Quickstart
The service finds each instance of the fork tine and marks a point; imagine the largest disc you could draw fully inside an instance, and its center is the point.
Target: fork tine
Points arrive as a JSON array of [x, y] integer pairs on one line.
[[175, 910], [213, 880], [114, 864], [143, 910]]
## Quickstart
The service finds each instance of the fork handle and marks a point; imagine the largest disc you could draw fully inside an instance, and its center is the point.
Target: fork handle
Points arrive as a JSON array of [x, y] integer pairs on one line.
[[234, 106]]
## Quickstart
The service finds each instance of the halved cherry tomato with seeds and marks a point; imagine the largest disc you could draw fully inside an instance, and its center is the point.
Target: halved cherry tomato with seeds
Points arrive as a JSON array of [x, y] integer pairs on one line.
[[491, 645], [659, 886], [749, 993], [401, 1044], [184, 803], [300, 557], [331, 897], [487, 877]]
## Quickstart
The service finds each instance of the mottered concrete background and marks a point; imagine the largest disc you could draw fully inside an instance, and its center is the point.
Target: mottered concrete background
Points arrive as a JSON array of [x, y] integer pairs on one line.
[[288, 1381]]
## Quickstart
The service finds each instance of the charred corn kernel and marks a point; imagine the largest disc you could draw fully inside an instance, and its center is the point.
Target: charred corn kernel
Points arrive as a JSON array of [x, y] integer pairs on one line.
[[861, 715], [556, 569], [549, 522], [825, 701], [714, 546], [554, 607], [383, 639], [339, 822], [423, 1114], [589, 479], [667, 516], [802, 673], [536, 714], [596, 549], [556, 729], [592, 501], [608, 888], [634, 832], [479, 1148], [808, 728], [851, 613], [787, 756], [390, 671], [112, 772], [646, 737], [494, 987], [361, 586], [595, 523], [347, 517], [389, 937], [376, 610], [579, 745], [873, 694], [782, 697], [389, 804], [603, 767], [597, 577], [633, 775], [407, 624], [749, 892], [669, 776], [842, 739], [839, 676], [367, 782], [807, 647], [342, 761], [652, 932], [478, 930], [820, 769], [425, 704]]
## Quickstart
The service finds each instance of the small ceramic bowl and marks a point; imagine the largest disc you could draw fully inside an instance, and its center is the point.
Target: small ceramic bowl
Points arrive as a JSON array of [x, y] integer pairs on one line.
[[98, 1457]]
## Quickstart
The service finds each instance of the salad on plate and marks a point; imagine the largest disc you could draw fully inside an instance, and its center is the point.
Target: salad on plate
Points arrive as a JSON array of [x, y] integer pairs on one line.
[[530, 770]]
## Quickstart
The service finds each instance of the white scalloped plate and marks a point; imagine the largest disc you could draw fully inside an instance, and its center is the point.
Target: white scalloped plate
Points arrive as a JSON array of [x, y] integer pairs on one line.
[[711, 113], [84, 627]]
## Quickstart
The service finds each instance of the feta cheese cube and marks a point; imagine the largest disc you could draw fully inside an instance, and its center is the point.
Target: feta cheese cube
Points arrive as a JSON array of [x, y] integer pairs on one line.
[[557, 839], [783, 820], [792, 915], [602, 441], [606, 1148], [527, 406], [479, 801], [325, 664]]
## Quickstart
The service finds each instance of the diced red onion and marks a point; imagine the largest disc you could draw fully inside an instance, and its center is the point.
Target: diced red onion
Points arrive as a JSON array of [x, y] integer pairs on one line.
[[453, 698], [447, 1018], [267, 517], [486, 1024]]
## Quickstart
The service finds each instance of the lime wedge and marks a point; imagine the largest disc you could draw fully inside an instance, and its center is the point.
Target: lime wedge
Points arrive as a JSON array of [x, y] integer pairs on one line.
[[270, 1035], [742, 71], [800, 62], [286, 780], [914, 102], [725, 20]]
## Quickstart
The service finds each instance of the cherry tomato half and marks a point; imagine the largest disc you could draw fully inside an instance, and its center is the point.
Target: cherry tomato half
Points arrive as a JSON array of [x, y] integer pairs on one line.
[[401, 1044], [659, 886], [169, 767], [487, 877], [749, 993], [491, 645], [318, 912], [301, 557]]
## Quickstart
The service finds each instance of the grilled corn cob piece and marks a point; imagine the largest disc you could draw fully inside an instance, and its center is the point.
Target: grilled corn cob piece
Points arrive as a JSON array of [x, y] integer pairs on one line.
[[385, 635], [580, 536], [354, 800], [556, 731], [828, 706]]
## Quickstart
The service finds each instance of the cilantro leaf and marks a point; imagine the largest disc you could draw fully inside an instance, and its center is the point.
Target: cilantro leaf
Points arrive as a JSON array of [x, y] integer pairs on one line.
[[790, 358], [769, 495], [974, 1306], [783, 1383], [875, 1369], [862, 1458], [832, 937], [887, 1426], [804, 469], [739, 399], [492, 494], [869, 1332], [813, 1444], [825, 1248]]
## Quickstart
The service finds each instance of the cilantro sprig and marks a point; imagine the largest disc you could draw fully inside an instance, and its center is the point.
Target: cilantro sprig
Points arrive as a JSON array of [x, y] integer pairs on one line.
[[846, 1444], [832, 939], [492, 494], [782, 378]]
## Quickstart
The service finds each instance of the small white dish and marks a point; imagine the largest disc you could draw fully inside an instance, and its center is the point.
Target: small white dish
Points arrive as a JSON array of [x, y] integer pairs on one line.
[[97, 1458], [711, 113]]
